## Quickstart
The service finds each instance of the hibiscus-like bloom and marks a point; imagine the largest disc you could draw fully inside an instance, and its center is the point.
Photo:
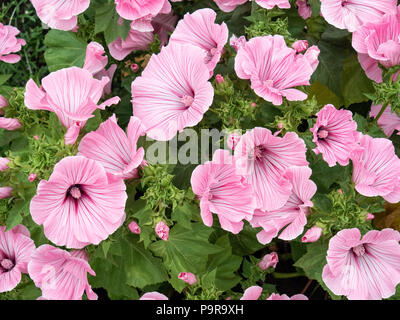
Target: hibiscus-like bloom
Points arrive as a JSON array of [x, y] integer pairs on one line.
[[188, 277], [389, 120], [269, 4], [263, 159], [269, 260], [223, 192], [173, 91], [252, 293], [73, 94], [163, 24], [58, 14], [312, 234], [4, 164], [142, 12], [275, 296], [229, 5], [378, 42], [351, 14], [363, 268], [335, 134], [274, 68], [153, 296], [10, 44], [199, 29], [61, 275], [113, 149], [80, 204], [95, 59], [303, 8], [376, 169], [162, 230], [5, 192], [136, 40], [292, 216], [16, 248]]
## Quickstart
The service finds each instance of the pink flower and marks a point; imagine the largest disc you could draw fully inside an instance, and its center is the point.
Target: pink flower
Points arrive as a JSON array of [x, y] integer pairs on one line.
[[351, 14], [134, 227], [378, 42], [10, 44], [275, 77], [108, 73], [4, 164], [376, 169], [252, 293], [300, 45], [95, 60], [237, 43], [153, 296], [303, 8], [219, 79], [113, 149], [16, 248], [269, 260], [269, 4], [199, 29], [222, 191], [275, 296], [312, 234], [32, 177], [335, 134], [229, 5], [60, 14], [233, 140], [80, 204], [370, 217], [188, 277], [292, 216], [363, 268], [389, 120], [162, 230], [136, 40], [263, 159], [72, 94], [5, 192], [61, 275], [135, 67], [173, 91], [162, 25]]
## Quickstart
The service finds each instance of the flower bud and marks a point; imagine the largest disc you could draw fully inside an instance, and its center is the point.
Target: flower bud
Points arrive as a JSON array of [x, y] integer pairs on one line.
[[134, 227], [312, 234], [300, 45], [32, 177], [269, 260], [162, 230], [188, 277], [5, 192], [4, 164]]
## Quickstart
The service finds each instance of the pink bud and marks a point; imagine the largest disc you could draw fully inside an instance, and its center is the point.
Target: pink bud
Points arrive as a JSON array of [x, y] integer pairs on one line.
[[75, 29], [36, 137], [3, 164], [134, 67], [253, 105], [370, 216], [280, 125], [162, 230], [237, 43], [340, 191], [219, 78], [3, 102], [233, 140], [5, 192], [188, 277], [134, 227], [312, 234], [9, 123], [300, 45], [269, 260], [32, 177]]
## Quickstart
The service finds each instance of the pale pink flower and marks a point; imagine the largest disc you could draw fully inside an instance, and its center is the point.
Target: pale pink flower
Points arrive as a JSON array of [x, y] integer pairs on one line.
[[61, 275], [32, 177], [162, 25], [173, 91], [370, 216], [292, 216], [263, 159], [351, 14], [312, 234], [378, 42], [233, 140], [134, 227], [376, 169], [269, 4], [303, 8], [95, 60], [4, 164], [312, 57], [269, 260], [80, 204], [16, 248], [136, 40], [116, 151], [335, 134], [275, 77], [153, 296], [219, 78], [222, 191], [188, 277], [60, 15], [389, 120], [71, 93], [300, 45], [363, 268], [252, 293], [5, 192], [229, 5], [162, 230], [275, 296], [199, 29], [109, 73], [9, 44], [236, 43]]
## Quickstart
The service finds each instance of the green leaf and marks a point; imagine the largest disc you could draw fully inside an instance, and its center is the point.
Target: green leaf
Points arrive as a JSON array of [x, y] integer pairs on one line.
[[183, 214], [245, 242], [315, 7], [64, 50], [20, 209], [4, 78], [324, 176], [323, 94]]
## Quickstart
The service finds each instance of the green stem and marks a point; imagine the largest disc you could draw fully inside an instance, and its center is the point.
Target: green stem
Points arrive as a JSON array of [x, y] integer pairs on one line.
[[381, 111], [279, 275]]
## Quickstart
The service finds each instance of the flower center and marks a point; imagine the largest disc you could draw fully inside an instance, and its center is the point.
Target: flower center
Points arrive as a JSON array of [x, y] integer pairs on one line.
[[7, 264], [359, 250], [258, 152], [187, 100], [322, 134], [75, 192]]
